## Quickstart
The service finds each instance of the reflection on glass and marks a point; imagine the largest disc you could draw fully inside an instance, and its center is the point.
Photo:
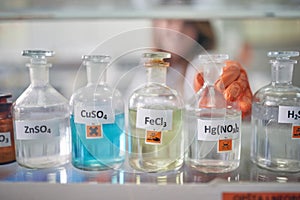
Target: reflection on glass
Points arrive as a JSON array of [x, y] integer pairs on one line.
[[259, 174], [164, 178], [192, 175], [8, 170], [50, 175], [108, 176]]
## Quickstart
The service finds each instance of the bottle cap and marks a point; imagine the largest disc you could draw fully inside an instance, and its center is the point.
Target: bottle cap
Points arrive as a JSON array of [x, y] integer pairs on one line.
[[4, 104], [4, 97]]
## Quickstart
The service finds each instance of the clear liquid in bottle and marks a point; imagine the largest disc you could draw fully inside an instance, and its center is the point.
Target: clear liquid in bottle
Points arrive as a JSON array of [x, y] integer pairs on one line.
[[41, 118], [213, 127], [275, 141]]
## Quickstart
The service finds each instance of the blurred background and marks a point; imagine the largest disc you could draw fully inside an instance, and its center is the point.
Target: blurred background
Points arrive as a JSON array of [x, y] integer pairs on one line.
[[246, 30]]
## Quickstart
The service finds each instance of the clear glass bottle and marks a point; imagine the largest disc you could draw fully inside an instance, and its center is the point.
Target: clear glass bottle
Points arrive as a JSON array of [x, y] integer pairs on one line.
[[213, 126], [7, 143], [41, 118], [275, 141], [97, 120], [155, 120]]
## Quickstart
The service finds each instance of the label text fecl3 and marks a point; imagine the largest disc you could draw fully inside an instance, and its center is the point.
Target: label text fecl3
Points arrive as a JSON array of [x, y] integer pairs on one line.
[[157, 121]]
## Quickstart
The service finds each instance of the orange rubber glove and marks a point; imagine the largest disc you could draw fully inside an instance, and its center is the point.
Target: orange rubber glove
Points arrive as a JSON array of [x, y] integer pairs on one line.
[[234, 85]]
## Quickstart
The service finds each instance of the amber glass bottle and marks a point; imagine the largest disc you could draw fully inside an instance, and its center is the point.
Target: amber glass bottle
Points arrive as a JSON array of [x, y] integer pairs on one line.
[[7, 145]]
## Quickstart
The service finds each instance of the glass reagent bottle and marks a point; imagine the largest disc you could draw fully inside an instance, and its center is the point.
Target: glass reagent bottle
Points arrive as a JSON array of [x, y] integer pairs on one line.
[[155, 121], [213, 126], [97, 120], [7, 142], [275, 141], [41, 118]]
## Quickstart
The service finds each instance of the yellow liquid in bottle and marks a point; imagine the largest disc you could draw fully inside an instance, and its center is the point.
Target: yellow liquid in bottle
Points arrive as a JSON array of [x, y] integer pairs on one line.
[[157, 156]]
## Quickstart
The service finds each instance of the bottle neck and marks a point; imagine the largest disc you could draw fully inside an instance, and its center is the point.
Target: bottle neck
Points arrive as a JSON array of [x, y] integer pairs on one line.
[[96, 73], [212, 72], [39, 74], [157, 74], [282, 73]]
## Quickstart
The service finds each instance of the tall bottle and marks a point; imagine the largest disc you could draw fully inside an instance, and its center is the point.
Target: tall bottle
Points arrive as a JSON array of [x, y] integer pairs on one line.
[[155, 121], [276, 118], [213, 126], [41, 118], [97, 120]]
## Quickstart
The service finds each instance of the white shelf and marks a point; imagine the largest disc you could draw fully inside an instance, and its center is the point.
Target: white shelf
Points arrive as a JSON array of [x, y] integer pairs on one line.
[[211, 191], [135, 9]]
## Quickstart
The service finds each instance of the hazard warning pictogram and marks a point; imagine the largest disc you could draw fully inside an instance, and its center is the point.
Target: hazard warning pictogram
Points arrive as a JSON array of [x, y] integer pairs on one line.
[[224, 145], [296, 132], [153, 137], [94, 131]]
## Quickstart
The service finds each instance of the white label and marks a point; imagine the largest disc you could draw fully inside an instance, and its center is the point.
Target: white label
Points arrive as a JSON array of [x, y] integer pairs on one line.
[[289, 114], [155, 120], [94, 115], [5, 140], [30, 130], [214, 130]]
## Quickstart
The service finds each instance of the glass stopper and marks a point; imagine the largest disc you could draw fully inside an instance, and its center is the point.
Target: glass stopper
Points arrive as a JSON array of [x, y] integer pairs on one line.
[[217, 58], [156, 59], [157, 55], [283, 55], [38, 53], [96, 58], [38, 57]]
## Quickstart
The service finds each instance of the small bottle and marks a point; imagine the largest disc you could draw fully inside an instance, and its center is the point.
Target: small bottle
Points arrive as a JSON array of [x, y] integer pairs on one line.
[[213, 126], [276, 118], [97, 120], [7, 143], [155, 121], [41, 118]]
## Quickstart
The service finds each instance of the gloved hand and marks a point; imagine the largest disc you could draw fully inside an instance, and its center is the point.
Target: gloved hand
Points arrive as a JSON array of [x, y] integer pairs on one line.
[[234, 85]]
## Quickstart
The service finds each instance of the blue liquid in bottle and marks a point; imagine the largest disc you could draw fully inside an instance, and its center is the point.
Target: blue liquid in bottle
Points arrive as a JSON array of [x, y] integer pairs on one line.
[[99, 153], [97, 120]]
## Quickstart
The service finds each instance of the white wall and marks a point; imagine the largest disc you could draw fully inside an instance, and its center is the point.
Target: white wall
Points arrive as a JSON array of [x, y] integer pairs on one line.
[[69, 39]]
